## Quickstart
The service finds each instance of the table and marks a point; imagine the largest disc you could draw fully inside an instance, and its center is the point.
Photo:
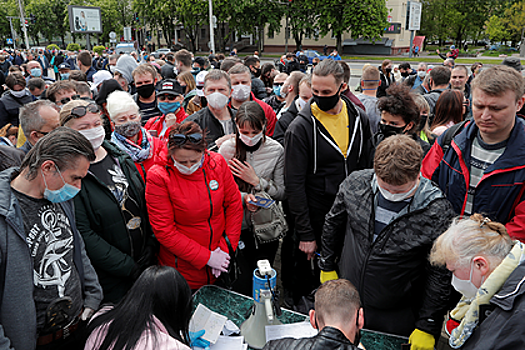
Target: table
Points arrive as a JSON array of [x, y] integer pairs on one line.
[[237, 308]]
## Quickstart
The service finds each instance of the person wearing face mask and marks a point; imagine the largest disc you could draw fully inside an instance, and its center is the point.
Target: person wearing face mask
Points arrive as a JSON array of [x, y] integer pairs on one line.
[[44, 63], [399, 115], [129, 135], [289, 92], [193, 204], [276, 101], [386, 76], [217, 117], [254, 65], [416, 79], [145, 78], [110, 208], [170, 99], [488, 270], [195, 100], [406, 71], [241, 92], [338, 316], [257, 163], [13, 99], [378, 235], [327, 141], [299, 101], [47, 279]]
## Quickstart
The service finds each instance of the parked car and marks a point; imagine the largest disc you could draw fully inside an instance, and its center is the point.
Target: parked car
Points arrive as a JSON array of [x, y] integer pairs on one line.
[[125, 47], [499, 47], [311, 54], [161, 52]]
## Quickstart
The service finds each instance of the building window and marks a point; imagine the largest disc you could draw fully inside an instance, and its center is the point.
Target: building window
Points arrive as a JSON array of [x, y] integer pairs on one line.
[[203, 33], [271, 34]]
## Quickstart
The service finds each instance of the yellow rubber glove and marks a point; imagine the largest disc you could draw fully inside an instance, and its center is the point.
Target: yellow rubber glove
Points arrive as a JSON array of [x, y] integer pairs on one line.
[[420, 340], [328, 276]]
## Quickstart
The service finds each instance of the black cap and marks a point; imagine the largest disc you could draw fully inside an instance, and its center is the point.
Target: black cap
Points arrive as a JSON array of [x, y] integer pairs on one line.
[[170, 86], [200, 61], [63, 65], [513, 62]]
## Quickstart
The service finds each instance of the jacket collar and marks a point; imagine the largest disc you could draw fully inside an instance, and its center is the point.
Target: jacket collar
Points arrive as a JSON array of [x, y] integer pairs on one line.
[[513, 288], [514, 153], [334, 334]]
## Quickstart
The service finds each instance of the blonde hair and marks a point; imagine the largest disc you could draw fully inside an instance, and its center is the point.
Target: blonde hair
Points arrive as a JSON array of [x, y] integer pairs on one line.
[[470, 237], [119, 102]]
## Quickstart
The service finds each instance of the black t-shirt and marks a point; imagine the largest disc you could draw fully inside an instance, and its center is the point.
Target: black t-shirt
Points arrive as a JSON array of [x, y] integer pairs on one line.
[[50, 242], [109, 172]]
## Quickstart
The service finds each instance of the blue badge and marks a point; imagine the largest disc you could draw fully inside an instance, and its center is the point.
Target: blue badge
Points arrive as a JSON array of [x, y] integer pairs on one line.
[[214, 185]]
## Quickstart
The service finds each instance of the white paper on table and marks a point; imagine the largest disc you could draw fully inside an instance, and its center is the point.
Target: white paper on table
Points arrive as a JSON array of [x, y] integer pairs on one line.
[[228, 343], [210, 321], [293, 330]]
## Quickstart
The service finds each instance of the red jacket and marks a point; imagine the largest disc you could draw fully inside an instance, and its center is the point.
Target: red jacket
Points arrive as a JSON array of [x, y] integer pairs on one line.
[[158, 146], [156, 123], [190, 213], [271, 118]]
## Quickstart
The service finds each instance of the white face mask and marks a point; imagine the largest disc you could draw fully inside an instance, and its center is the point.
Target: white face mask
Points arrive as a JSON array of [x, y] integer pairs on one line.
[[217, 100], [422, 74], [95, 136], [465, 287], [301, 103], [184, 170], [397, 197], [251, 141], [241, 92], [18, 94], [112, 69], [284, 92]]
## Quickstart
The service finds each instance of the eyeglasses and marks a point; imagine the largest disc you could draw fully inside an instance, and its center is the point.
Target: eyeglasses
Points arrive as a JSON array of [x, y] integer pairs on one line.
[[180, 139], [167, 97], [80, 111], [278, 84], [67, 99]]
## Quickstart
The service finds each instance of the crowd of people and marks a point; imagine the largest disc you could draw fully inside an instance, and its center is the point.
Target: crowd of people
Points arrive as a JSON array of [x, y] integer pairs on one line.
[[132, 181]]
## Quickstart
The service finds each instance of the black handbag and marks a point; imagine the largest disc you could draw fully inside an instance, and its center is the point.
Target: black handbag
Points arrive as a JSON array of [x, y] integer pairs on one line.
[[227, 279]]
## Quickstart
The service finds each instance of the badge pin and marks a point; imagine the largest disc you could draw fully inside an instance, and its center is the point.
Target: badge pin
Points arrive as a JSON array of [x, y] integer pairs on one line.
[[214, 185]]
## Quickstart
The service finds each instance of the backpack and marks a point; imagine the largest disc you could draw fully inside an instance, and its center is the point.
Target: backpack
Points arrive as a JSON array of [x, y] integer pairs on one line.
[[451, 133]]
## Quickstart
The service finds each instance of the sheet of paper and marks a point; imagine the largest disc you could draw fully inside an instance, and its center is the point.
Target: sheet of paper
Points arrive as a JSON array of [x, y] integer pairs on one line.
[[210, 321], [293, 330]]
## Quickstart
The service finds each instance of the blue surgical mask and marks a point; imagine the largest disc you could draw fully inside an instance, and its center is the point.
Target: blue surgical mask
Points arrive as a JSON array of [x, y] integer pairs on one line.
[[64, 76], [36, 72], [167, 107], [63, 194], [277, 90]]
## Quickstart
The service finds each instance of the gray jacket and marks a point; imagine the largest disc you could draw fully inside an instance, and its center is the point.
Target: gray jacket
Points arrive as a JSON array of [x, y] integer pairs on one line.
[[17, 307], [432, 98]]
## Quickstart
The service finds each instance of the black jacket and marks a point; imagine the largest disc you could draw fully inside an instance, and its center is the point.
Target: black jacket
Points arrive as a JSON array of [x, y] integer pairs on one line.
[[168, 71], [315, 166], [399, 289], [273, 102], [292, 66], [501, 322], [328, 338], [210, 124], [284, 122], [258, 88], [10, 107], [385, 83]]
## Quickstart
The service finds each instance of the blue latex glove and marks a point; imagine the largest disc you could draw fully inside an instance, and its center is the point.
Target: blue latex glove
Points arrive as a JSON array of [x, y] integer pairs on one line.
[[196, 340]]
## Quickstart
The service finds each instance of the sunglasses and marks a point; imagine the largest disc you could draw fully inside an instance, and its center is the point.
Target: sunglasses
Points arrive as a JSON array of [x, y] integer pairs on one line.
[[67, 99], [180, 139], [167, 97], [278, 84], [80, 111]]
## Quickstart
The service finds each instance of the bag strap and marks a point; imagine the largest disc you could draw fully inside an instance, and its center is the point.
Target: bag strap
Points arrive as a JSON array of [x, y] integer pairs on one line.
[[451, 133], [228, 243]]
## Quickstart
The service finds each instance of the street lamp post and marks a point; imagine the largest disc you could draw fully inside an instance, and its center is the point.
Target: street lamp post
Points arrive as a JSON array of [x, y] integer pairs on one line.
[[23, 22], [212, 34]]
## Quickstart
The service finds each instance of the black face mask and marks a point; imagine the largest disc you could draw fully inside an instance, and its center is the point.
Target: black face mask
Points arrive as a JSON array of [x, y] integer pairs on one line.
[[146, 90], [257, 72], [326, 103], [388, 70], [389, 130], [405, 74]]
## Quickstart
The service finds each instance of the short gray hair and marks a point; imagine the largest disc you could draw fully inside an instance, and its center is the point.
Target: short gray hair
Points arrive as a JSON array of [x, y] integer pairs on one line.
[[63, 146], [119, 102], [216, 75], [239, 69], [30, 119], [330, 67]]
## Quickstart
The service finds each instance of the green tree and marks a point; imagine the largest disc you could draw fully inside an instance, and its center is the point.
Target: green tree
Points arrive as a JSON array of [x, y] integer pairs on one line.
[[514, 20], [496, 29], [302, 20], [364, 18]]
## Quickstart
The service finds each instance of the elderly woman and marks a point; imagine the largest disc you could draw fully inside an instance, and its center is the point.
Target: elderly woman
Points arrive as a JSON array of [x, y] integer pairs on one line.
[[194, 204], [488, 269], [110, 208], [129, 135]]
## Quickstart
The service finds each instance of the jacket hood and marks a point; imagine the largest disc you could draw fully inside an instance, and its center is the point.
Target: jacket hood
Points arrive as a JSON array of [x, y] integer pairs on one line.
[[513, 288], [5, 190], [125, 65], [425, 194]]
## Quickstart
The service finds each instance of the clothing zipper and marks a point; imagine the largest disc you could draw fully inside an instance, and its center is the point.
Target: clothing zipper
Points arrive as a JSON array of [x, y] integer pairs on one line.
[[209, 220]]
